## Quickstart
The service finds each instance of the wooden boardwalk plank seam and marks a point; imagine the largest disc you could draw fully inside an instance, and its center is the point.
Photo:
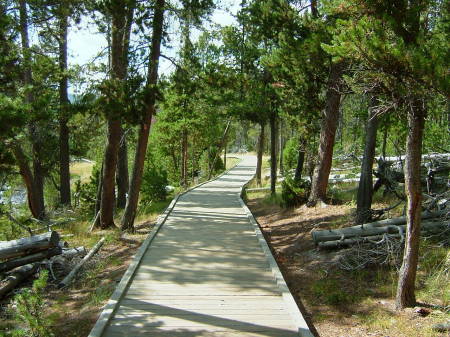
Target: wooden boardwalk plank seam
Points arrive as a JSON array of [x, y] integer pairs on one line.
[[205, 270]]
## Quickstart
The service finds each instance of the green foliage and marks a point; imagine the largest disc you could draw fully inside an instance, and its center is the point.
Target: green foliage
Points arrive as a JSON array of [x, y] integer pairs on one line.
[[207, 159], [154, 182], [293, 192], [30, 310], [290, 154]]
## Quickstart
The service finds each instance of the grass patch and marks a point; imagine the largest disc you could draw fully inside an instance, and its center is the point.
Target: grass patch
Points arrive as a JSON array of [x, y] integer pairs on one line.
[[81, 170]]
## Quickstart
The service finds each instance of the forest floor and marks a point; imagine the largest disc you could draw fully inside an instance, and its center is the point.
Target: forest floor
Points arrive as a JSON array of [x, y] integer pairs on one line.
[[346, 303]]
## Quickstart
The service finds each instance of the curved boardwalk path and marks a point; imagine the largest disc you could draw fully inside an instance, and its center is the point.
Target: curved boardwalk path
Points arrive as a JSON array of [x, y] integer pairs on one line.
[[207, 272]]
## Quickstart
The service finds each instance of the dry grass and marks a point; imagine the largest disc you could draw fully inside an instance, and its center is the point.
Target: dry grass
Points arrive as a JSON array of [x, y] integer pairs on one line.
[[81, 170]]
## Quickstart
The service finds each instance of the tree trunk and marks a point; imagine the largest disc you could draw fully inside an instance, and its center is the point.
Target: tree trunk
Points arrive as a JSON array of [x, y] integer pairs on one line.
[[118, 72], [365, 187], [225, 155], [37, 178], [27, 176], [122, 178], [300, 160], [149, 109], [273, 152], [260, 155], [281, 143], [184, 159], [413, 190], [327, 133], [64, 151]]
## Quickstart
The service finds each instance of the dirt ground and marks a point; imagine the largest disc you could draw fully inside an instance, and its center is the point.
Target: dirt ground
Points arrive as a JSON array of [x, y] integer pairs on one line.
[[306, 270]]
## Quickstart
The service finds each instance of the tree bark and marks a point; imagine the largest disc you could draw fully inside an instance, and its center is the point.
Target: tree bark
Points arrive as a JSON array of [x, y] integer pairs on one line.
[[407, 276], [64, 151], [36, 179], [17, 276], [273, 153], [300, 160], [327, 134], [260, 154], [122, 178], [118, 72], [184, 159], [281, 143], [24, 246], [365, 187], [149, 109]]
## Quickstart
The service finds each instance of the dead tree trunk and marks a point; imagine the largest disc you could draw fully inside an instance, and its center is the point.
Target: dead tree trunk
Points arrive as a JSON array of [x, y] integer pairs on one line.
[[149, 109], [64, 151], [20, 247], [273, 153], [407, 276], [16, 277], [365, 187], [260, 154], [327, 134]]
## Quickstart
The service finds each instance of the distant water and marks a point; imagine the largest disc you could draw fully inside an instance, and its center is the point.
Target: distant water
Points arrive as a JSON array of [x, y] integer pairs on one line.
[[18, 197]]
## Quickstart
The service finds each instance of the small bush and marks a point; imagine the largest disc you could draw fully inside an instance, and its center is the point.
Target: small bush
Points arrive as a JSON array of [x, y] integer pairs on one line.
[[290, 154], [294, 192], [154, 182], [30, 310]]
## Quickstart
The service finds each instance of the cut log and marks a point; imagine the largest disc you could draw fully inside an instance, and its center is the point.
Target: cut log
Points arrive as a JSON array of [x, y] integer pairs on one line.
[[69, 278], [46, 254], [25, 246], [349, 242], [336, 234], [350, 238], [74, 251], [16, 277]]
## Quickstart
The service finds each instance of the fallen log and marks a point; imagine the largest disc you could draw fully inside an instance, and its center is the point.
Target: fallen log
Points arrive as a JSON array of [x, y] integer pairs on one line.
[[24, 246], [441, 327], [335, 234], [368, 232], [68, 279], [16, 277], [391, 231], [46, 254], [73, 251]]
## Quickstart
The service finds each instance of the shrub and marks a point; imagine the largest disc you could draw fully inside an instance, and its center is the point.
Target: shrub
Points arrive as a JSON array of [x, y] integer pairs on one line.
[[154, 182], [30, 310], [294, 192], [290, 154]]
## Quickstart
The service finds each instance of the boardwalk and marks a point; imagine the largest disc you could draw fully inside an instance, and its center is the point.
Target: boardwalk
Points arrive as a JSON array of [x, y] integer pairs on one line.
[[207, 272]]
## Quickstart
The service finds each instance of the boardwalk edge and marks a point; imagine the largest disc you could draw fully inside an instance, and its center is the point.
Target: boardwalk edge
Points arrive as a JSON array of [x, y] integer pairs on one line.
[[296, 315]]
